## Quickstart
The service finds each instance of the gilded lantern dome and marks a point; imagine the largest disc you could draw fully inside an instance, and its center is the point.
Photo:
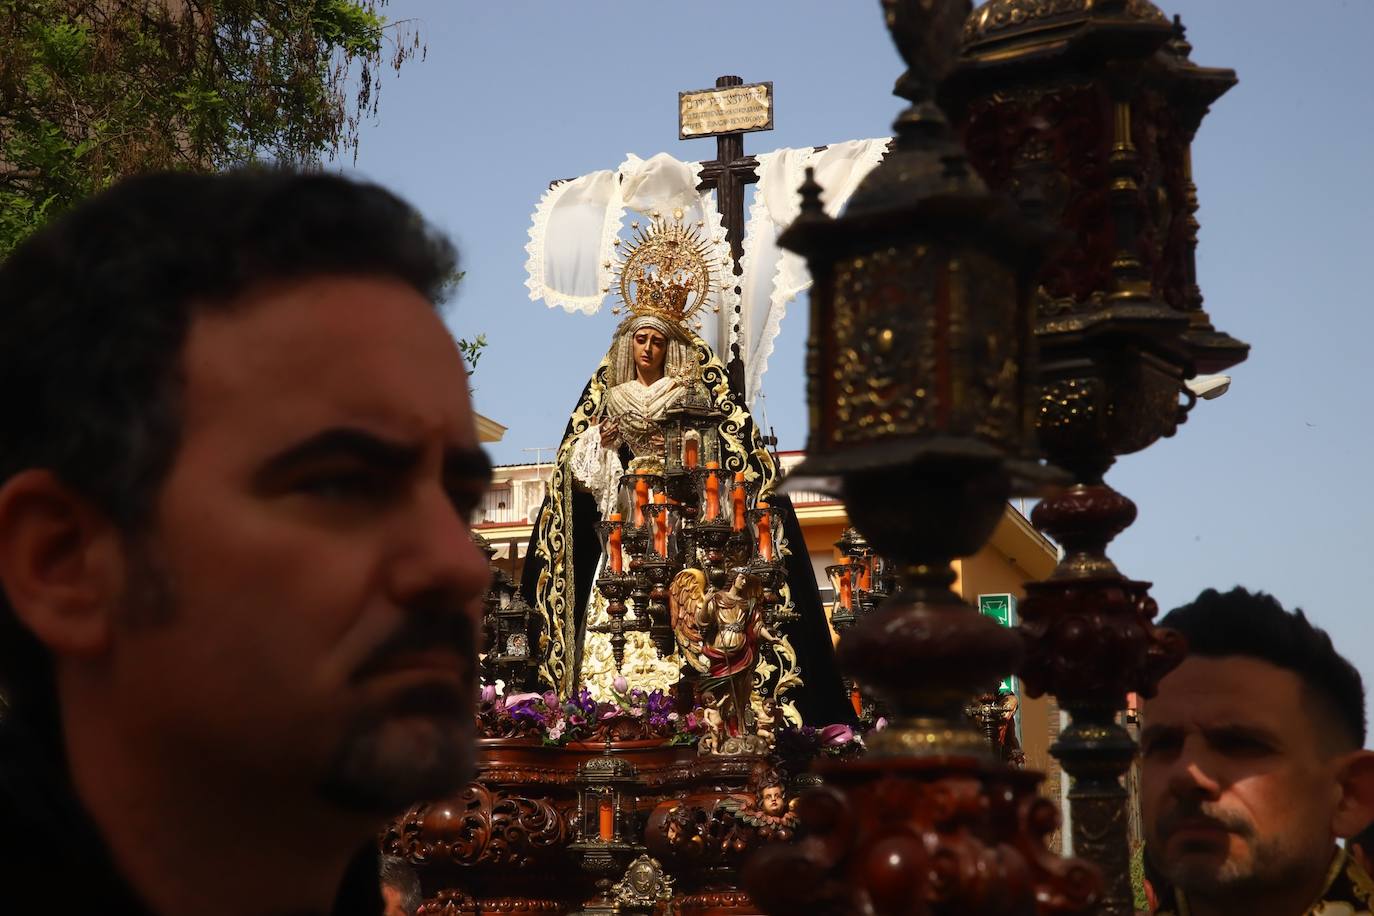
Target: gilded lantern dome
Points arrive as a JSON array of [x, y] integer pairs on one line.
[[1037, 22]]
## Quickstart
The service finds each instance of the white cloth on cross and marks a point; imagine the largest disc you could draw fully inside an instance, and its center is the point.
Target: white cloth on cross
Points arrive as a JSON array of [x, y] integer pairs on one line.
[[572, 250], [575, 225], [773, 277]]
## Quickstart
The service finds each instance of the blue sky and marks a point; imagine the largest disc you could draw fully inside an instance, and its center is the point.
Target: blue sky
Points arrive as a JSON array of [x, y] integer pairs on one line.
[[1266, 487]]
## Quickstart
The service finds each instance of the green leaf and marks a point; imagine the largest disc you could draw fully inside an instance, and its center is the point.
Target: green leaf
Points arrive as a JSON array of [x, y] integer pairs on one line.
[[86, 99]]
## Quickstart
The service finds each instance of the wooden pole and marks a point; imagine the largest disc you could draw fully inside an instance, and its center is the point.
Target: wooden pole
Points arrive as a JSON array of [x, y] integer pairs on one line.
[[728, 174]]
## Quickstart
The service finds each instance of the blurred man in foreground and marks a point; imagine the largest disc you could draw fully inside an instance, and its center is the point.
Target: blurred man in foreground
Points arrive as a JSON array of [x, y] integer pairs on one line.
[[238, 627]]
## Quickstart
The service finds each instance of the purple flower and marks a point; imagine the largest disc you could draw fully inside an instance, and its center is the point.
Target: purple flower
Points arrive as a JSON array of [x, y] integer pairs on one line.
[[619, 685], [488, 694], [658, 704], [527, 714], [836, 735], [520, 699], [691, 721], [880, 724]]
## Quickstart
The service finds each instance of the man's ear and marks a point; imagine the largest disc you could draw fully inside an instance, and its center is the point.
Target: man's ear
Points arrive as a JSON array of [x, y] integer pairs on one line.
[[1355, 773], [61, 563]]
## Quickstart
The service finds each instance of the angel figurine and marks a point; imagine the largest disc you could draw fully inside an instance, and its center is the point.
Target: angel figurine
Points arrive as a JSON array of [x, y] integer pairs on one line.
[[718, 631]]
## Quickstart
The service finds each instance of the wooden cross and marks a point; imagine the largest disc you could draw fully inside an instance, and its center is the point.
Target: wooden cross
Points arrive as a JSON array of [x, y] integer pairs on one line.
[[727, 175]]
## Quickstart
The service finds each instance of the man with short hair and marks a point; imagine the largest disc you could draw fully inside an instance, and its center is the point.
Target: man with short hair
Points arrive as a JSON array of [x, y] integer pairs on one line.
[[400, 887], [1252, 765], [240, 596]]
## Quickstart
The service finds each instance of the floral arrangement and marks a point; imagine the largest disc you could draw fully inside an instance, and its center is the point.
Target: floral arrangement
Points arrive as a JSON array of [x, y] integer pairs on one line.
[[629, 715], [830, 740], [797, 747]]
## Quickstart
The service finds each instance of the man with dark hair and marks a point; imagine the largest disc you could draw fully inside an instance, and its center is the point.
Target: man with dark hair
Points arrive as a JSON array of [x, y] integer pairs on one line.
[[400, 887], [240, 594], [1252, 765]]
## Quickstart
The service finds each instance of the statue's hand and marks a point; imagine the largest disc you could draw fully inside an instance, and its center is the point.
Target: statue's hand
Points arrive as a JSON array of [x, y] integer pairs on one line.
[[610, 429]]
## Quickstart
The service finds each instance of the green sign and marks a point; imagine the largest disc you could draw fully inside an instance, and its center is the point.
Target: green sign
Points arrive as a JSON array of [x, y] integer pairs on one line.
[[1001, 608]]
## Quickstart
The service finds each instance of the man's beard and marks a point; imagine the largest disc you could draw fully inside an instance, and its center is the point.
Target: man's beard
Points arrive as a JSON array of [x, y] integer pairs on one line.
[[378, 771], [370, 771], [1275, 862]]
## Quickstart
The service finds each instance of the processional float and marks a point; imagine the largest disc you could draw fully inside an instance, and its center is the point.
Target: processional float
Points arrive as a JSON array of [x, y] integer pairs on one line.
[[1017, 275], [612, 796]]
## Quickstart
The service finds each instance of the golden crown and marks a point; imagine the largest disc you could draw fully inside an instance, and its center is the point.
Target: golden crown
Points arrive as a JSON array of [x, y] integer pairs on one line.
[[666, 270]]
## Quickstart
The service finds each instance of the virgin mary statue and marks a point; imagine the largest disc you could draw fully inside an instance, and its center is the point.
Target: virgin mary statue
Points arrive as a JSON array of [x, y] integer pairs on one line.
[[654, 357]]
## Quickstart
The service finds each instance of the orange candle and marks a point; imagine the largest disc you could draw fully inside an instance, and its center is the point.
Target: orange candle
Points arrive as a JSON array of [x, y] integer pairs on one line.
[[661, 525], [858, 701], [613, 542], [712, 492], [607, 818], [641, 499], [737, 499], [765, 534], [866, 576], [846, 593], [690, 451]]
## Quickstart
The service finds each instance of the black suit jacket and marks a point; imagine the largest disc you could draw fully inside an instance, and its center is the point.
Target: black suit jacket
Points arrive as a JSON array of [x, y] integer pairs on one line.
[[53, 861]]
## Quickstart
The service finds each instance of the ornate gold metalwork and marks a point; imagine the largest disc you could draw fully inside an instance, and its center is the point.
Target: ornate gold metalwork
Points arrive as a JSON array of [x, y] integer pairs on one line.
[[921, 362], [644, 886], [666, 271], [1003, 19], [741, 450], [877, 296], [1084, 111]]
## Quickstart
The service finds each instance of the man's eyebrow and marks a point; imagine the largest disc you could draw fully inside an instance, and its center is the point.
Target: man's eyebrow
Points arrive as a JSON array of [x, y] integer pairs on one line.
[[1242, 730], [1155, 732], [342, 442], [470, 464]]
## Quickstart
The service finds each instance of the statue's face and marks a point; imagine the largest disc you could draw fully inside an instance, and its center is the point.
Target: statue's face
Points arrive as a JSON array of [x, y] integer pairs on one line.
[[650, 350], [772, 801], [741, 583]]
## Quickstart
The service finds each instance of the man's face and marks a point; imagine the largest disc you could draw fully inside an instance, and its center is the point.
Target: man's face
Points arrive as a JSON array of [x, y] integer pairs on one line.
[[650, 349], [310, 552], [1238, 790], [773, 800]]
